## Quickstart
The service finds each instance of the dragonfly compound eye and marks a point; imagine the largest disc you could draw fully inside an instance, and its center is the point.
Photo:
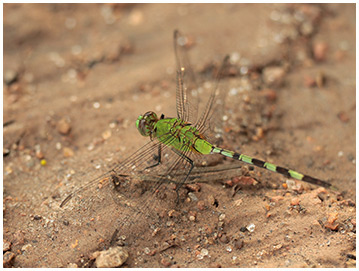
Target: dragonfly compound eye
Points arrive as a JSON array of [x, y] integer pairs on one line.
[[146, 123]]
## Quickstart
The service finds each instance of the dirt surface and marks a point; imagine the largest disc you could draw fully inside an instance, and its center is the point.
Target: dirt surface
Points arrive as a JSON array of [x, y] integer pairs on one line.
[[76, 77]]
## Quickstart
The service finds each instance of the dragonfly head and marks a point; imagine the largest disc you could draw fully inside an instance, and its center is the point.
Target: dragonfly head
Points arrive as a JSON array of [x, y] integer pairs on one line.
[[145, 123]]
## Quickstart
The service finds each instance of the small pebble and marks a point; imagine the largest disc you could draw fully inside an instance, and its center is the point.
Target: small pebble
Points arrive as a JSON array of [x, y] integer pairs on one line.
[[238, 202], [321, 196], [273, 76], [247, 181], [233, 91], [106, 135], [10, 77], [173, 213], [192, 196], [332, 227], [68, 152], [343, 117], [238, 244], [331, 224], [37, 217], [269, 94], [147, 250], [201, 205], [154, 233], [229, 249], [243, 70], [6, 245], [19, 238], [306, 28], [26, 247], [63, 126], [39, 154], [192, 218], [309, 81], [170, 223], [320, 50], [234, 57], [224, 239], [251, 227], [230, 183], [290, 184], [246, 99], [294, 201], [243, 229], [204, 252], [136, 17], [211, 200], [277, 247], [165, 262], [235, 260], [5, 152], [113, 257], [220, 224], [58, 146], [8, 258], [193, 187], [91, 147], [75, 244], [332, 217]]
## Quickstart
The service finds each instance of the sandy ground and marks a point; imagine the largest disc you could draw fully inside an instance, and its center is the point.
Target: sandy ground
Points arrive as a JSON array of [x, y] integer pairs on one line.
[[77, 76]]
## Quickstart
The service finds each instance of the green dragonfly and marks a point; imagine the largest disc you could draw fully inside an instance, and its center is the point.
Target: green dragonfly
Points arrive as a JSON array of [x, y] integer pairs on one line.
[[186, 138], [180, 145]]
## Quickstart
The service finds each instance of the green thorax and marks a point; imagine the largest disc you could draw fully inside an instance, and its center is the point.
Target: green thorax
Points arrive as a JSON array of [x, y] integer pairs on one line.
[[173, 132], [181, 136]]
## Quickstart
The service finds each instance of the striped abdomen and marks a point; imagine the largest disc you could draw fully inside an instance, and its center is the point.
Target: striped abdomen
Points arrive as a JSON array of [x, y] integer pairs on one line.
[[259, 163]]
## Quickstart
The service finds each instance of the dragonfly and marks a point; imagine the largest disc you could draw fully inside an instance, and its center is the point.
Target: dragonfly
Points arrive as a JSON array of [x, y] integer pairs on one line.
[[179, 146], [185, 137]]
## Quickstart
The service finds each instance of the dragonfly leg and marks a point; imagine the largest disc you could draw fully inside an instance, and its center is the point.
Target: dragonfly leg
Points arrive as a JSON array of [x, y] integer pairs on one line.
[[158, 158], [114, 238], [190, 161]]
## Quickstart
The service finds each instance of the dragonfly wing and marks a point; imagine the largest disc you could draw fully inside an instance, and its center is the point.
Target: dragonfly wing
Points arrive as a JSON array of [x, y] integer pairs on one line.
[[210, 122], [126, 198], [187, 93], [140, 159]]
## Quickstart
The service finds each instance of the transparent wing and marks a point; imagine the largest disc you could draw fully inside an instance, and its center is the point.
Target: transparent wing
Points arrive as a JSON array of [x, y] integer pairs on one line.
[[209, 174], [189, 95], [210, 122], [187, 92], [124, 199], [142, 158]]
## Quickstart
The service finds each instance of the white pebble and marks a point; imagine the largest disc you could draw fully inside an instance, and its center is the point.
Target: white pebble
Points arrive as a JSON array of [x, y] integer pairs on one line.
[[96, 105], [251, 227]]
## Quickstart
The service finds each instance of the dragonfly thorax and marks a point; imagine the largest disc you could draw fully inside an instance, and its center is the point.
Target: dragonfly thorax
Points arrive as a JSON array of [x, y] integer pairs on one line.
[[146, 123]]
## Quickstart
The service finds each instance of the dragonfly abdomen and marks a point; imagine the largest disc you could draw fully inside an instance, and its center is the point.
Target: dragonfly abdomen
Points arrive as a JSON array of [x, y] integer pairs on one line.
[[274, 168]]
